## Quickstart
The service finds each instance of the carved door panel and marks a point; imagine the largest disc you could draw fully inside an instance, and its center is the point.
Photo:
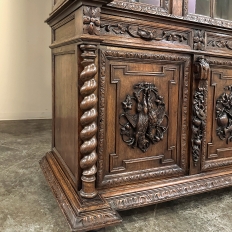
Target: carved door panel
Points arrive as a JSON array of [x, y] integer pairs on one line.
[[218, 150], [143, 116]]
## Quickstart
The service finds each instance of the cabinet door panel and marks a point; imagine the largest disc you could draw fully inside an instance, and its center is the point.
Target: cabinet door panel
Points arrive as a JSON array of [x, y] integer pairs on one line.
[[219, 118], [143, 105]]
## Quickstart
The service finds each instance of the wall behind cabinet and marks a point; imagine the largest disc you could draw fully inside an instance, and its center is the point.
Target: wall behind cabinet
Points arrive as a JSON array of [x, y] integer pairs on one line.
[[25, 66]]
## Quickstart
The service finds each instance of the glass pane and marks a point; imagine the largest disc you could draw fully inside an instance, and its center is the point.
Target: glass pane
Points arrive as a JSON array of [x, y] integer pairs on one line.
[[203, 7], [223, 9], [152, 2], [192, 6], [199, 7]]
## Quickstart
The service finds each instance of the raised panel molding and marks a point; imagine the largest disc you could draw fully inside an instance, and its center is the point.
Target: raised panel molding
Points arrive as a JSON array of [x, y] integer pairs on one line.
[[149, 173], [222, 156]]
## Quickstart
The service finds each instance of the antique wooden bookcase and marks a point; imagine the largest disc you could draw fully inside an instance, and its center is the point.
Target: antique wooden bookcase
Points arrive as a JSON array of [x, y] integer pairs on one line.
[[142, 106]]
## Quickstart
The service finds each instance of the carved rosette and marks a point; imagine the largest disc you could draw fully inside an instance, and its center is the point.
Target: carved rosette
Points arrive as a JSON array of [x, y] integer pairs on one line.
[[224, 115], [199, 109], [91, 20], [145, 126], [88, 121]]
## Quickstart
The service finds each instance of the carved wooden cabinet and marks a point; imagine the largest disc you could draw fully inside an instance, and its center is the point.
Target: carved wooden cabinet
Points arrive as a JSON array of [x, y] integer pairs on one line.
[[142, 106]]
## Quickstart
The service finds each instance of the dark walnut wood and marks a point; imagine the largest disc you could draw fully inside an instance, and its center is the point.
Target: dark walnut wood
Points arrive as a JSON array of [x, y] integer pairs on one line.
[[142, 107]]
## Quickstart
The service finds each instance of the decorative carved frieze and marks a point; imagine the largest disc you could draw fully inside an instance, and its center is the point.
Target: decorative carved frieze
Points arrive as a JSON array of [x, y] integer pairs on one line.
[[144, 33], [173, 170], [144, 8], [199, 109], [152, 196], [91, 20], [224, 115], [220, 43], [146, 126], [88, 121]]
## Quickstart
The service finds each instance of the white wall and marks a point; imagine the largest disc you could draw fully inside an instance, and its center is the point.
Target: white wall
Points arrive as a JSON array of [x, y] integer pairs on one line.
[[25, 60]]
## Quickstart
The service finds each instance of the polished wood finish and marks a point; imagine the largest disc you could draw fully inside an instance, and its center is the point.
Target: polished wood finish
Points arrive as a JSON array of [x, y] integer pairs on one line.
[[142, 109]]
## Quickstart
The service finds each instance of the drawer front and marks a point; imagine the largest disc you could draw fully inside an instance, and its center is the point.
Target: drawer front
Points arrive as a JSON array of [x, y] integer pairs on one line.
[[143, 116]]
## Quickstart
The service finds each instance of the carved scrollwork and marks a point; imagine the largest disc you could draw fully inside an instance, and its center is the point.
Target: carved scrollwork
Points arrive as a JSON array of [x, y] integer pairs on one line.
[[91, 20], [220, 43], [199, 109], [145, 126], [144, 33], [224, 115]]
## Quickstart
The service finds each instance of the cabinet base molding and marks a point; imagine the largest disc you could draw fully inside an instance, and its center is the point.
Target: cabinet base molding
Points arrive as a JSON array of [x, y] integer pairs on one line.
[[81, 214], [88, 214], [156, 194]]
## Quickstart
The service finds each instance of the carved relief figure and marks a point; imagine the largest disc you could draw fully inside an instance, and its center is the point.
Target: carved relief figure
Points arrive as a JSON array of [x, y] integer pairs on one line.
[[143, 127], [224, 115]]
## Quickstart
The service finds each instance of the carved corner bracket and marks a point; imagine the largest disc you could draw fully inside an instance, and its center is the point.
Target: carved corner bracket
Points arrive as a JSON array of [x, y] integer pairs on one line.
[[224, 115], [145, 126], [202, 70]]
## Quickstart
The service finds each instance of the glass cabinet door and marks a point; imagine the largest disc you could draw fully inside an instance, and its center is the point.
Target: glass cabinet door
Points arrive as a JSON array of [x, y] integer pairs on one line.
[[223, 9], [212, 8]]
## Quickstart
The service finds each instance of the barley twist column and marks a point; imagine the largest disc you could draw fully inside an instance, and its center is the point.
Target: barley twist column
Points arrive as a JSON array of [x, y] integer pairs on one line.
[[88, 121]]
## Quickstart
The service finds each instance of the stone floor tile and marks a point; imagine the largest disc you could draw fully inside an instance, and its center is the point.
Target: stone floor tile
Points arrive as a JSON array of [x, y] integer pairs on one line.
[[27, 203]]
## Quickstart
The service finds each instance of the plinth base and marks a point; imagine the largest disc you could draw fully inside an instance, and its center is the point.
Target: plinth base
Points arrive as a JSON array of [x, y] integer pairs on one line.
[[81, 214]]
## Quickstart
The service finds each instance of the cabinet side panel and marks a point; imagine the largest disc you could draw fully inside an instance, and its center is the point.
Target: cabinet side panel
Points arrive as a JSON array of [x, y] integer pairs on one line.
[[65, 110]]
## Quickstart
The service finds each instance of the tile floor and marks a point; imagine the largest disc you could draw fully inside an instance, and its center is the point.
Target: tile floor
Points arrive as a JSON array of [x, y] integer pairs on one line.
[[27, 204]]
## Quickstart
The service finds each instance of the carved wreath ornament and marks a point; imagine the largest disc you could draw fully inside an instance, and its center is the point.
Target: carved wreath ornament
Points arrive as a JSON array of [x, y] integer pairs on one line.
[[143, 117], [224, 115]]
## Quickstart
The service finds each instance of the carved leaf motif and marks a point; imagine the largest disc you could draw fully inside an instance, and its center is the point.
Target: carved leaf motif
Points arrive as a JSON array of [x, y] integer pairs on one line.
[[144, 33]]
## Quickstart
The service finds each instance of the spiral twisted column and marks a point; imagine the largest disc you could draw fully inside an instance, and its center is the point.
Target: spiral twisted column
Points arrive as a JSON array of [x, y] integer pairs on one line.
[[88, 121]]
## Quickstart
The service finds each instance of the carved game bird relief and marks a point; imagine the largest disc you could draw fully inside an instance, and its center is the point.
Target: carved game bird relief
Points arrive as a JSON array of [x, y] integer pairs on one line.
[[142, 117], [224, 115]]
